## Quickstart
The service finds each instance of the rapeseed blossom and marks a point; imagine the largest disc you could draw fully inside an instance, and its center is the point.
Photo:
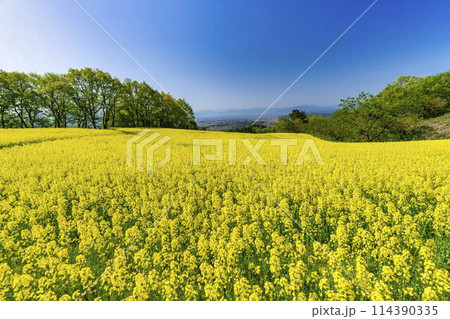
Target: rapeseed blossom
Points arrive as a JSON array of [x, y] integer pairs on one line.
[[70, 207]]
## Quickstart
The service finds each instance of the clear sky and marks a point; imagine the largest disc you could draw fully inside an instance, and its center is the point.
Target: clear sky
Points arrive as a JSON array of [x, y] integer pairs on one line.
[[233, 54]]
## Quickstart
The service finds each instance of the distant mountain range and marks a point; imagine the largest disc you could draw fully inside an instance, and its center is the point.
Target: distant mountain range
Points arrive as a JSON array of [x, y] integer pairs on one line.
[[254, 113], [223, 120]]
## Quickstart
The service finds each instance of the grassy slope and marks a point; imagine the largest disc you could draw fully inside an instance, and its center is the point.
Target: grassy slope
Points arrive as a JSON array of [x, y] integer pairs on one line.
[[437, 128]]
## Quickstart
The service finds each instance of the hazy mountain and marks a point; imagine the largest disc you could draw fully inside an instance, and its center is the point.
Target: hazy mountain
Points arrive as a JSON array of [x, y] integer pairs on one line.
[[226, 119], [254, 113]]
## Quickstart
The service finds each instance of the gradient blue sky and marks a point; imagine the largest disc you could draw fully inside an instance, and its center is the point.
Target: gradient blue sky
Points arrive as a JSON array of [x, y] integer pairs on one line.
[[233, 54]]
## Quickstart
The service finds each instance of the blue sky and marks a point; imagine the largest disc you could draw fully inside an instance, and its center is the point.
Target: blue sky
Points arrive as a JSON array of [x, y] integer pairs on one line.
[[233, 54]]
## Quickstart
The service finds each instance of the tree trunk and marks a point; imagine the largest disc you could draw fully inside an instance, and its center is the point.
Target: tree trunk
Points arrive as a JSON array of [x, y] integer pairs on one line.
[[22, 121], [114, 117], [30, 118]]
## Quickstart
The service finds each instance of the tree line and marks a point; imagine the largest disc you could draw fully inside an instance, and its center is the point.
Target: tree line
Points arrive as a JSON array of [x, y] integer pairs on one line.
[[87, 98], [396, 113]]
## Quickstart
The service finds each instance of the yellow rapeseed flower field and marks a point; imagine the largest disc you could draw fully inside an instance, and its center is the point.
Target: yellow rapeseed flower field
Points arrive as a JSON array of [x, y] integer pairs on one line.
[[372, 223]]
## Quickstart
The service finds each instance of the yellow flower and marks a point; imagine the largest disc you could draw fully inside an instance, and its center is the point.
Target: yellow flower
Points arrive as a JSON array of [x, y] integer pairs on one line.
[[374, 216]]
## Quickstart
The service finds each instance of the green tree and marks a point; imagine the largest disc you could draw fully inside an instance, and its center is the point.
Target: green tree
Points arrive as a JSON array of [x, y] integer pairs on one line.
[[85, 96], [301, 115], [128, 114], [109, 89], [148, 103], [55, 92], [5, 99], [176, 113], [288, 125], [23, 99]]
